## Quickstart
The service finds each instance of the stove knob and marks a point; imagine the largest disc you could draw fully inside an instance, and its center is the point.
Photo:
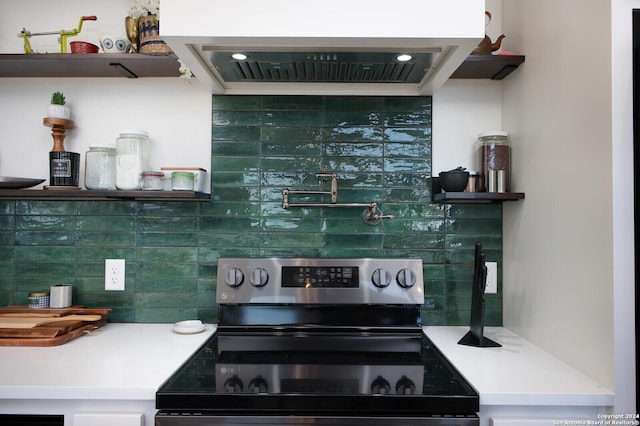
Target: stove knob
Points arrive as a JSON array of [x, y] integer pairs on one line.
[[259, 277], [258, 385], [381, 278], [380, 386], [234, 277], [233, 385], [406, 278], [405, 386]]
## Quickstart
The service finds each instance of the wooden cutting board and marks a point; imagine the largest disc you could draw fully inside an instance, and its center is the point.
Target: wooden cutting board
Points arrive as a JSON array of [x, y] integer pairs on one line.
[[22, 311], [47, 330], [34, 322], [57, 340]]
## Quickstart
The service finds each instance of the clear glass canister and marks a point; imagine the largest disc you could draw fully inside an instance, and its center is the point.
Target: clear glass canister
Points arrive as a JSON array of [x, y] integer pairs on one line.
[[132, 158], [493, 156], [100, 168]]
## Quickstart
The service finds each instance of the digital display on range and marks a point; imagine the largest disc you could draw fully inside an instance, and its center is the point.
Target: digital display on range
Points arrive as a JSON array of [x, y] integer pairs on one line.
[[320, 276]]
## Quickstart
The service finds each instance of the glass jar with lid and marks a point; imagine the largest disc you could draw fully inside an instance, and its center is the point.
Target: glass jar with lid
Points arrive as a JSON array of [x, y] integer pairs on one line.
[[132, 156], [100, 168], [493, 156]]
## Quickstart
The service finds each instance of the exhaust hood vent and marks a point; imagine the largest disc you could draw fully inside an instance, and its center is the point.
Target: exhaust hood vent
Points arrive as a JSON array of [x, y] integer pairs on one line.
[[343, 67], [328, 47]]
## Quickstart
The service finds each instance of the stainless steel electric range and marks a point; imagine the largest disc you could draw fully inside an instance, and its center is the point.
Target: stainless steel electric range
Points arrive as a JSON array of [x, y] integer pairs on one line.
[[318, 341]]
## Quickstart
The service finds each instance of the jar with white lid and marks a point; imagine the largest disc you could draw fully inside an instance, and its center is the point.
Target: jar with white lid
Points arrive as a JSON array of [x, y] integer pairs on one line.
[[132, 157], [493, 156], [100, 168]]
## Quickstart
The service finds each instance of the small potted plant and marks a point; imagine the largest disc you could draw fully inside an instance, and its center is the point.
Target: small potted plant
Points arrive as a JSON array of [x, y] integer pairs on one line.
[[58, 108]]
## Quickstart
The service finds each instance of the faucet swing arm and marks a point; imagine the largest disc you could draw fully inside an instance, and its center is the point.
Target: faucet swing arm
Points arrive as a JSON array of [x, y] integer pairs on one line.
[[371, 213]]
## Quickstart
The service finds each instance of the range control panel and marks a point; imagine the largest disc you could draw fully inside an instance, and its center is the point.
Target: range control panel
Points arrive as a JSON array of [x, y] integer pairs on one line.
[[391, 281]]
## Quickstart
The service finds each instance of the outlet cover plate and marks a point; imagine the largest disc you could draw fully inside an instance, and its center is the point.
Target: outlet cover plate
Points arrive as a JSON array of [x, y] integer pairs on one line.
[[114, 274], [492, 277]]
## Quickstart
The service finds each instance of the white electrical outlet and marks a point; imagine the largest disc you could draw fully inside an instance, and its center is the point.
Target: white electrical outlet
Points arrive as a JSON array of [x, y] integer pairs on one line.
[[492, 277], [114, 274]]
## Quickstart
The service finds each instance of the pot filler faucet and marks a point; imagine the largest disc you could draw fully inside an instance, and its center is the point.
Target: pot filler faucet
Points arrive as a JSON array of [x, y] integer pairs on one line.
[[371, 215]]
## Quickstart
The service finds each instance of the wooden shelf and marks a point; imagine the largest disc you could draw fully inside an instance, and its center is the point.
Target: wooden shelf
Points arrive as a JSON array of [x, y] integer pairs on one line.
[[476, 197], [131, 65], [86, 194], [494, 67]]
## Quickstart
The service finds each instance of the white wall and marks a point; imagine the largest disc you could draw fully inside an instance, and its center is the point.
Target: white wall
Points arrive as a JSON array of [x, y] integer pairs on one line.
[[176, 114], [563, 289]]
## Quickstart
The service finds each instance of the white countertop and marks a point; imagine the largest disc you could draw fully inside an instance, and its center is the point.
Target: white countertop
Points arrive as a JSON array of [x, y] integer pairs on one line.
[[116, 362], [131, 361], [518, 373]]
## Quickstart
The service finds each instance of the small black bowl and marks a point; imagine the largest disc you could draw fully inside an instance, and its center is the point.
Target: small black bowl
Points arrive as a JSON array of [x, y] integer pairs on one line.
[[453, 180]]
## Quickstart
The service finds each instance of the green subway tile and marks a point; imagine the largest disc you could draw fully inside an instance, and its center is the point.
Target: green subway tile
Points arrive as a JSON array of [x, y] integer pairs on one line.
[[237, 103], [226, 224], [292, 240], [353, 164], [362, 149], [105, 223], [290, 224], [44, 254], [296, 133], [291, 118], [7, 253], [222, 179], [420, 240], [236, 118], [236, 148], [221, 239], [157, 239], [404, 165], [98, 254], [294, 164], [409, 118], [291, 147], [416, 194], [420, 150], [292, 103], [167, 254], [7, 222], [235, 164], [45, 223], [164, 208], [351, 134], [353, 103], [160, 300], [472, 226], [7, 207], [165, 315], [106, 208], [29, 207], [7, 238], [229, 208], [166, 285], [105, 238], [409, 134], [236, 133], [164, 269], [351, 118], [236, 193], [167, 224], [407, 103], [408, 180]]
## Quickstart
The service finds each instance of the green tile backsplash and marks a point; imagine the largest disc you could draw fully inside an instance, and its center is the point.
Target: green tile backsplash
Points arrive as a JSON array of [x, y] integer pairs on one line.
[[380, 147]]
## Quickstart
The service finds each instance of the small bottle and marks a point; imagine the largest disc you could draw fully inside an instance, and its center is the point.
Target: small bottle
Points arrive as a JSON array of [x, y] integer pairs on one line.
[[132, 153], [493, 156], [100, 168]]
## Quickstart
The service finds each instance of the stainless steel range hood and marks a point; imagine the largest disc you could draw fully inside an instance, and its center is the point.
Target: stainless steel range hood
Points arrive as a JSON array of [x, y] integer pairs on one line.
[[322, 47]]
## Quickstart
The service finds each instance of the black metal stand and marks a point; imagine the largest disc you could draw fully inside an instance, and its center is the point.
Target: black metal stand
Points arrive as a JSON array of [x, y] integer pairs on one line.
[[475, 336]]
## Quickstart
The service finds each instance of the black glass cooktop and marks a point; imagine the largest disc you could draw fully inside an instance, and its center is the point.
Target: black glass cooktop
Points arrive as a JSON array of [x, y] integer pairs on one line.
[[302, 373]]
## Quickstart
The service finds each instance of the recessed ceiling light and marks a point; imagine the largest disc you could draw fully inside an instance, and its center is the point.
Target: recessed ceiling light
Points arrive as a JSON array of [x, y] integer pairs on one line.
[[404, 58], [239, 56]]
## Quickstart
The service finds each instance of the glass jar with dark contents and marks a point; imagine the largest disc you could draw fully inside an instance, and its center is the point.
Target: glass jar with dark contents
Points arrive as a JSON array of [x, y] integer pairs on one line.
[[493, 156]]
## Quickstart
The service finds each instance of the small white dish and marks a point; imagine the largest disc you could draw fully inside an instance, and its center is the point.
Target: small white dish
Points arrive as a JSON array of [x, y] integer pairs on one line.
[[189, 327]]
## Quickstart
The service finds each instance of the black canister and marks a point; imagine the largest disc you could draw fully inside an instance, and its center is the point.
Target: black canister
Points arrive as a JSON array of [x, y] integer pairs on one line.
[[64, 168]]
